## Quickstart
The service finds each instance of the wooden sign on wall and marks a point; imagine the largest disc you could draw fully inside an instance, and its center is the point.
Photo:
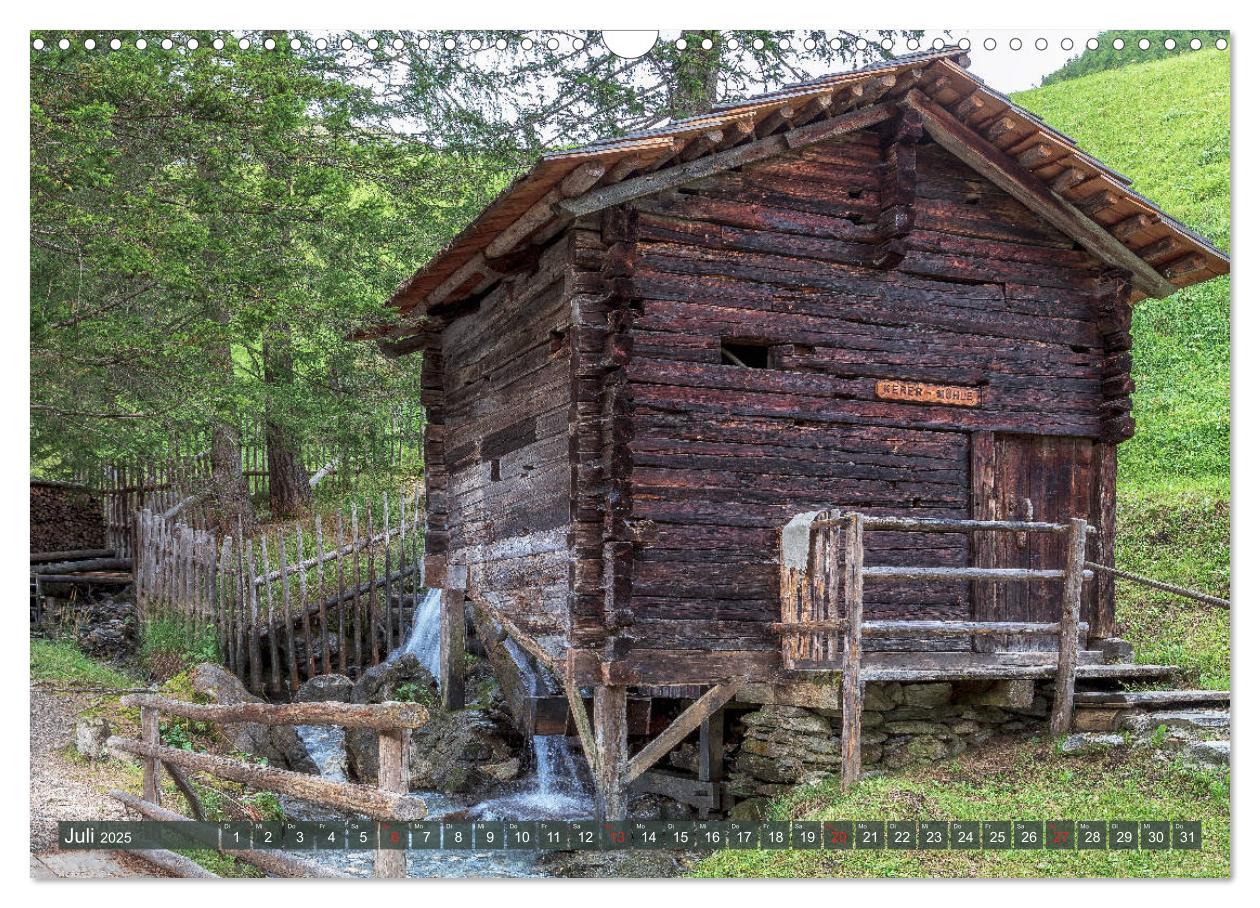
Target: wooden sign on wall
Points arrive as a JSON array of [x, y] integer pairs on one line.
[[922, 393]]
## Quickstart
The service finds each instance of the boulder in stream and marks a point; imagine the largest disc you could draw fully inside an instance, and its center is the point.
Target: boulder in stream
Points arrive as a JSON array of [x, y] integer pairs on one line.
[[279, 745], [325, 688]]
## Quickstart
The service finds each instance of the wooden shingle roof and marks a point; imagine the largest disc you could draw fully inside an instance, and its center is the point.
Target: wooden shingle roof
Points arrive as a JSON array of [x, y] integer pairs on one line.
[[1044, 168]]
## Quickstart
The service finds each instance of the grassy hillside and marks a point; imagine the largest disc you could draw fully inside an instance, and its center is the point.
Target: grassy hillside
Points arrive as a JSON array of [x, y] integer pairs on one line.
[[1107, 56], [1165, 124]]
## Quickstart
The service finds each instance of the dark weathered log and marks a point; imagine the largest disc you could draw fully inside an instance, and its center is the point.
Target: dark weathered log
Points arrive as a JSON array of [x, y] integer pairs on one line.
[[598, 199], [988, 161], [277, 863], [89, 564], [71, 556], [374, 716], [149, 731], [452, 647], [939, 525]]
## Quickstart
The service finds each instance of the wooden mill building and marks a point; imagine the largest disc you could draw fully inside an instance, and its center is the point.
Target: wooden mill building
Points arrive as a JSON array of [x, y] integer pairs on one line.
[[889, 291]]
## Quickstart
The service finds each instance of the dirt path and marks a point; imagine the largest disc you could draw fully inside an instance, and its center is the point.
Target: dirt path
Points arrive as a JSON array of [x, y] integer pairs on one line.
[[66, 788]]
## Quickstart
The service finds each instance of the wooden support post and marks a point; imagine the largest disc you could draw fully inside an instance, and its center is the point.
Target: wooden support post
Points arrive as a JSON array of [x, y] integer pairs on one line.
[[451, 638], [1065, 678], [712, 742], [687, 722], [150, 736], [395, 778], [851, 688], [612, 747]]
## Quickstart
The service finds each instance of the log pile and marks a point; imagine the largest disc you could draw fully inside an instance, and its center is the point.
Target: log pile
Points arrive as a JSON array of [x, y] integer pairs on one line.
[[65, 517]]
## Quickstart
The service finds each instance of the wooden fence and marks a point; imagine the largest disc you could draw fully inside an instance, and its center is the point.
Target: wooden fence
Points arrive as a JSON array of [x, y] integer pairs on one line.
[[293, 601], [389, 802]]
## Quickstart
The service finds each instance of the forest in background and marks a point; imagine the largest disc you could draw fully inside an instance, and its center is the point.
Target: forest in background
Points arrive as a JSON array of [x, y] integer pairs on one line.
[[210, 225]]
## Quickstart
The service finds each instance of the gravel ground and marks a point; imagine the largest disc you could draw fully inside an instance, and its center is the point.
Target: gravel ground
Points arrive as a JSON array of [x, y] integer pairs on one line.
[[63, 789]]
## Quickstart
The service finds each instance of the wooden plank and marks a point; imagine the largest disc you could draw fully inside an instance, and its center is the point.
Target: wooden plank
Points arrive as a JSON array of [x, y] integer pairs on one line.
[[681, 174], [1001, 575], [851, 684], [577, 709], [988, 161], [1065, 676], [452, 646], [152, 783], [686, 722]]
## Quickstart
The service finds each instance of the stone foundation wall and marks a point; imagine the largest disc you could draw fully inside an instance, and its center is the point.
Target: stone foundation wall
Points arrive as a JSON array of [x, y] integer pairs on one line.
[[902, 725]]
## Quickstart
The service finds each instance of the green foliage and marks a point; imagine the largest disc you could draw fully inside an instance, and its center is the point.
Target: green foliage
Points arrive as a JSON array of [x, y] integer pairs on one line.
[[411, 692], [1031, 781], [1107, 56], [169, 646], [62, 661]]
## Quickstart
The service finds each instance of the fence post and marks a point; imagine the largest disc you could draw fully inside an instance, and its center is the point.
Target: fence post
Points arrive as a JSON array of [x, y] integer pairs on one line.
[[151, 738], [851, 727], [395, 778], [451, 638], [1073, 580]]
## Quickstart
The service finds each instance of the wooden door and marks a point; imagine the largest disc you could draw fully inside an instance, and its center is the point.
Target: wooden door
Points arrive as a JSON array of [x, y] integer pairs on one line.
[[1026, 477]]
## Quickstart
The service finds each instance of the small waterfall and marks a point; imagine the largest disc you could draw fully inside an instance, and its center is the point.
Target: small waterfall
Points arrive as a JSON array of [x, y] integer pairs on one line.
[[556, 790], [424, 641]]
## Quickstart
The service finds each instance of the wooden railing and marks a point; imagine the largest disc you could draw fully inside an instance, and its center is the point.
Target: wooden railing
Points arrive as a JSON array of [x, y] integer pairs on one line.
[[822, 572], [390, 801]]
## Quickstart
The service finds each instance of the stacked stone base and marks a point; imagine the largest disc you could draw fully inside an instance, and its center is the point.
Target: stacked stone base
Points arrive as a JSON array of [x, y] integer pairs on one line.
[[902, 725]]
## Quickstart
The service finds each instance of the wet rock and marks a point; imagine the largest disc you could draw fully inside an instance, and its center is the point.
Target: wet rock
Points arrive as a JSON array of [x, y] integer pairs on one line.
[[505, 771], [403, 678], [464, 752], [279, 745], [90, 736], [658, 807], [1090, 742], [324, 688]]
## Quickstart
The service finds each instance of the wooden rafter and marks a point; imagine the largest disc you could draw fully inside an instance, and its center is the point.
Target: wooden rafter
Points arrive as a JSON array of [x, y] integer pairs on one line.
[[977, 153]]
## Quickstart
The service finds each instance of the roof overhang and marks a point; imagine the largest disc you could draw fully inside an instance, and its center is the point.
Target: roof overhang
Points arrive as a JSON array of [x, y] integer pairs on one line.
[[1043, 168]]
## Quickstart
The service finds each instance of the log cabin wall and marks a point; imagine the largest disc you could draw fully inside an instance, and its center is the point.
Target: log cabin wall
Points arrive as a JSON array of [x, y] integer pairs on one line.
[[880, 257], [498, 391]]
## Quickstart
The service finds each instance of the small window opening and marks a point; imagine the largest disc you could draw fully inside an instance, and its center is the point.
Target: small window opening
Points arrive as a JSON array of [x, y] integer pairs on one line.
[[558, 337], [855, 193], [494, 470], [746, 354]]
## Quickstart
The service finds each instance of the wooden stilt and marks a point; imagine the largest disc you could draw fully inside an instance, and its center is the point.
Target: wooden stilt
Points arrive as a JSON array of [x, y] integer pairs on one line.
[[451, 638], [851, 685], [611, 744], [712, 734], [1069, 640]]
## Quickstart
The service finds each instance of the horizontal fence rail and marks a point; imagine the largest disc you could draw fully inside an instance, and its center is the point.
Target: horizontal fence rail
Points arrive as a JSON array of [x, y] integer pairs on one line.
[[389, 801], [822, 575]]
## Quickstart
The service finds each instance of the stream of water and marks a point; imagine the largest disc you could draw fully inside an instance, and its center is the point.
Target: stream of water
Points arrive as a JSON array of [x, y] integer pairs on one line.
[[556, 789]]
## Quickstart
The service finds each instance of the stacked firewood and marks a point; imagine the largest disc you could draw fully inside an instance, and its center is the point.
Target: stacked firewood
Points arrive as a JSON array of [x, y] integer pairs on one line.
[[65, 517]]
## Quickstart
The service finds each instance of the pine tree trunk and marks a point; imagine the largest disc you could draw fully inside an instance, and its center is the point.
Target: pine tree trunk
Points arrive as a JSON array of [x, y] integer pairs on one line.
[[694, 85], [289, 484], [231, 506]]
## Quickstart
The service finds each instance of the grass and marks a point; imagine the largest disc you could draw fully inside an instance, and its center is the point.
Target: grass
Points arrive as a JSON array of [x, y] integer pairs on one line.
[[1166, 124], [1008, 780], [63, 662]]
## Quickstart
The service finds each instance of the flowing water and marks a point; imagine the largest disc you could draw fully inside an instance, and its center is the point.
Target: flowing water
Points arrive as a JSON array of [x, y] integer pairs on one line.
[[555, 791]]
